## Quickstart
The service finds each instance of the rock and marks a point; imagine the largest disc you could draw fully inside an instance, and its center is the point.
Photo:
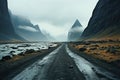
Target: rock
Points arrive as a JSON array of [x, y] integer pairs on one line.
[[92, 48], [8, 57], [20, 49], [12, 53], [93, 69], [49, 47], [21, 54], [82, 49], [14, 47], [39, 51], [29, 51], [111, 50], [71, 67], [95, 45], [102, 48], [25, 45], [87, 43]]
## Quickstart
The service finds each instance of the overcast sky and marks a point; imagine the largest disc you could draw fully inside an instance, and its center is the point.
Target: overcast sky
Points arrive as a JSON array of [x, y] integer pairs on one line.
[[54, 16]]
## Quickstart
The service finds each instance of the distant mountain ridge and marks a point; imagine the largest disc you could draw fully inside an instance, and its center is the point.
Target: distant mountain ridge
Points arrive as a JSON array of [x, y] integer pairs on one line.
[[26, 29], [75, 31], [105, 20]]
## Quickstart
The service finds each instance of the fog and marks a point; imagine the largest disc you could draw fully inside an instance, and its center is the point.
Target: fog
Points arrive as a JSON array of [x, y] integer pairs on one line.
[[54, 16], [28, 28], [77, 29]]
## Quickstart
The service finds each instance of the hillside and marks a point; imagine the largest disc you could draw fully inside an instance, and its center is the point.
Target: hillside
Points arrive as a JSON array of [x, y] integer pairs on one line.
[[105, 21], [6, 28]]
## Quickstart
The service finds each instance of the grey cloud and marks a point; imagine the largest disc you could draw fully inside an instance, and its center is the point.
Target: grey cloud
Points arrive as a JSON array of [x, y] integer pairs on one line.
[[57, 12]]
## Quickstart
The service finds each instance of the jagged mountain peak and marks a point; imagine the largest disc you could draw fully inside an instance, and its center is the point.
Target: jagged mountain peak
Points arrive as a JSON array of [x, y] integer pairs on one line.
[[77, 24], [75, 31]]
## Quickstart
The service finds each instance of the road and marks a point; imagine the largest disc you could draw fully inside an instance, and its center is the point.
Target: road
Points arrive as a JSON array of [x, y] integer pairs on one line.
[[63, 64]]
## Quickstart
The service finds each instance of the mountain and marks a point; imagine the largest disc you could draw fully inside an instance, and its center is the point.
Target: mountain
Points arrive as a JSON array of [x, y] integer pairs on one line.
[[26, 29], [105, 21], [6, 28], [75, 31], [76, 24]]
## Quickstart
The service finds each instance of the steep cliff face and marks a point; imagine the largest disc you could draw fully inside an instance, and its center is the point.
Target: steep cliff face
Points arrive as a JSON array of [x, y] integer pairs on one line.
[[75, 31], [6, 28], [26, 29], [105, 20], [5, 22]]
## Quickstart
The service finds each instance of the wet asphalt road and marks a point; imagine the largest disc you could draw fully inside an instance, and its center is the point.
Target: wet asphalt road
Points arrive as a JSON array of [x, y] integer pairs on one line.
[[63, 67], [61, 64]]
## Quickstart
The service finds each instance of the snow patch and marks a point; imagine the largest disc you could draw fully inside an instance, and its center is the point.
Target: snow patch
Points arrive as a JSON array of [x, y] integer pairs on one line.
[[15, 49]]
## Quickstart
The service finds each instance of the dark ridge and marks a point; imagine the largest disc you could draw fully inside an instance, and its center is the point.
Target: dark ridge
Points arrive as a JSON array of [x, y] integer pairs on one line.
[[105, 19]]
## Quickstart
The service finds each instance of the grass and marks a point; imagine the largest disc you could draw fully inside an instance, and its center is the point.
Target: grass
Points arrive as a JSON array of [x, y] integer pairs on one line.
[[109, 51]]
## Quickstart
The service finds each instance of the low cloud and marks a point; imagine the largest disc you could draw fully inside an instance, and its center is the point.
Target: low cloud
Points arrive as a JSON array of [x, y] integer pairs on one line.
[[59, 14], [28, 28], [77, 29]]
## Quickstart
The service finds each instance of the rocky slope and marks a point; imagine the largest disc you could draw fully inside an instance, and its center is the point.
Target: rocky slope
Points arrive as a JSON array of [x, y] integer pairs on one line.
[[6, 28], [105, 21], [75, 31], [26, 29]]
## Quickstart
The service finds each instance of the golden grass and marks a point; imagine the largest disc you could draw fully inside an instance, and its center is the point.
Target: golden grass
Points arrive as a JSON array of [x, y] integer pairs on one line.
[[99, 53], [105, 38], [18, 57]]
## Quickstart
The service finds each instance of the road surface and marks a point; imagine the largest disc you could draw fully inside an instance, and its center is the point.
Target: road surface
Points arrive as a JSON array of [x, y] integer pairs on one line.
[[63, 64]]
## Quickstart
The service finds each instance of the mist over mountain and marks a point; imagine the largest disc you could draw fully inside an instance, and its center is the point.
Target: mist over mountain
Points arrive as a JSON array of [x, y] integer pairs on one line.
[[75, 31], [26, 29], [105, 20], [48, 36], [6, 28]]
